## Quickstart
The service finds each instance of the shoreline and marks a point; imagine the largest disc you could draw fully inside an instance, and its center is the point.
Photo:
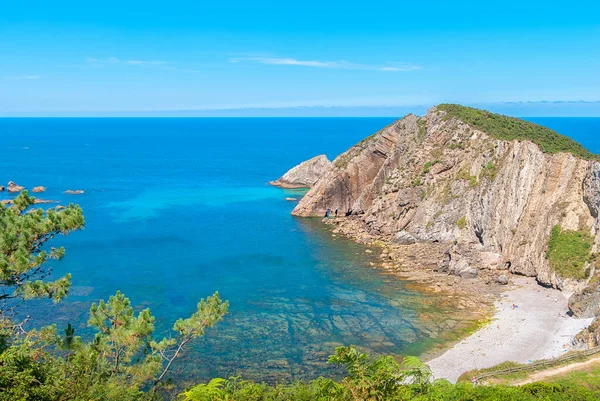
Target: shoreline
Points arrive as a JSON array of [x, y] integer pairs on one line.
[[538, 328]]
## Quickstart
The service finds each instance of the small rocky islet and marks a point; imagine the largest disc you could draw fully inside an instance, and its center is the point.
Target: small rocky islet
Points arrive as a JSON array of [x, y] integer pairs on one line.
[[14, 188], [461, 199]]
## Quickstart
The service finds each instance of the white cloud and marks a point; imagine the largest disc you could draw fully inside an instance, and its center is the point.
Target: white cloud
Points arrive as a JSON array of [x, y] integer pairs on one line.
[[341, 64]]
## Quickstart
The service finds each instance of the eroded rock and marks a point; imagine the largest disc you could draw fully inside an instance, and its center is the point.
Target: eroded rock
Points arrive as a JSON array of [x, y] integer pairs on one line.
[[13, 187], [304, 175]]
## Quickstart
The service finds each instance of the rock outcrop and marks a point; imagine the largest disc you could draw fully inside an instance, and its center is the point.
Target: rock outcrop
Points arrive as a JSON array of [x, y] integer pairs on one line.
[[13, 187], [1, 188], [305, 174], [438, 179], [39, 189]]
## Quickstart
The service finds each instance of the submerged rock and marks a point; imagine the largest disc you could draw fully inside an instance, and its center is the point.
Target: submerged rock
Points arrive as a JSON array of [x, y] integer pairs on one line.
[[74, 192], [304, 175], [291, 199], [13, 187]]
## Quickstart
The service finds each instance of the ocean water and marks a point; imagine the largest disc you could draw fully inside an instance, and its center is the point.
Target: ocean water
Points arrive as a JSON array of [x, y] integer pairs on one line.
[[179, 208]]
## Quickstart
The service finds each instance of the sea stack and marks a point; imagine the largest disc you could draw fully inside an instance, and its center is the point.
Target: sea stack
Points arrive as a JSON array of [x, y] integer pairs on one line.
[[304, 175]]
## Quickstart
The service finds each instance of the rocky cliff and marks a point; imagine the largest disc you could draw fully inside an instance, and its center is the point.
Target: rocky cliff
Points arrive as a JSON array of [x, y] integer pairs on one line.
[[496, 190], [305, 174]]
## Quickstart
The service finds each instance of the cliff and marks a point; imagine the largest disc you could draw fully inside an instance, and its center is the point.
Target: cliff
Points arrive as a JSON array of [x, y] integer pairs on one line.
[[502, 193], [305, 174]]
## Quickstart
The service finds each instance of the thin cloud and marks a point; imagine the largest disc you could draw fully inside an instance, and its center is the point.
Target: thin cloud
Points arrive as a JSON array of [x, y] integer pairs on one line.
[[22, 77], [341, 64], [114, 60]]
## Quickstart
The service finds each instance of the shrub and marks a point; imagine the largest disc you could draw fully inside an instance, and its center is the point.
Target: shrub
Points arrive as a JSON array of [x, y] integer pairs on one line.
[[569, 252], [508, 129]]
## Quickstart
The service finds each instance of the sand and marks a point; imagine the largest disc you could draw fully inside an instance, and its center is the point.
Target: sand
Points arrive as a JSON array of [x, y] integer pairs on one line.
[[538, 328]]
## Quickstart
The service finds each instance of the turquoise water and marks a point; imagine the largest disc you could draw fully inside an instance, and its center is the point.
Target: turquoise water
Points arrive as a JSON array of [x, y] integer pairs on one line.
[[179, 208]]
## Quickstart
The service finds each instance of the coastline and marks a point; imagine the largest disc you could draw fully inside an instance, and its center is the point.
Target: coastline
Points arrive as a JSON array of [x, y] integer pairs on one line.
[[537, 328]]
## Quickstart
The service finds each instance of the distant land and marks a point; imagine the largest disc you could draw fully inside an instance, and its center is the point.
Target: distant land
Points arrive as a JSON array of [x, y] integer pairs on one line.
[[515, 109]]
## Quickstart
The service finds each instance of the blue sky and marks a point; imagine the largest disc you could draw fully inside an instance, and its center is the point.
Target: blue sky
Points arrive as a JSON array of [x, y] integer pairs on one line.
[[131, 57]]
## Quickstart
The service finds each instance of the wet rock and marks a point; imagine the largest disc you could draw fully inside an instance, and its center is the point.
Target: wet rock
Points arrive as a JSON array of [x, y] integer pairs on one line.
[[13, 187], [39, 189], [41, 201], [502, 279], [291, 199], [1, 188], [74, 192]]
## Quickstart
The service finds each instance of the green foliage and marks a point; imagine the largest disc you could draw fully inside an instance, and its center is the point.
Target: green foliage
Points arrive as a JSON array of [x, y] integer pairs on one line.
[[569, 252], [422, 126], [24, 251], [462, 223], [382, 378], [428, 166], [509, 128], [490, 171], [417, 182]]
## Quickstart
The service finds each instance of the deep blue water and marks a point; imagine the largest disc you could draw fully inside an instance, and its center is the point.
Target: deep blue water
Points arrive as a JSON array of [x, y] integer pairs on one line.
[[179, 208]]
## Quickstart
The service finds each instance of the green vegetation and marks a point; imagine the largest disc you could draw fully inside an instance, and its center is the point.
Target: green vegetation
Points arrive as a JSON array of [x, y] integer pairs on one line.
[[490, 171], [382, 379], [462, 223], [125, 361], [422, 125], [428, 165], [569, 252], [509, 128], [417, 182], [122, 362]]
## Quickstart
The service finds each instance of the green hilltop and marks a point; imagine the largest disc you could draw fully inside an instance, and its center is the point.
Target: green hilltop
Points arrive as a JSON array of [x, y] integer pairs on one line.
[[509, 128]]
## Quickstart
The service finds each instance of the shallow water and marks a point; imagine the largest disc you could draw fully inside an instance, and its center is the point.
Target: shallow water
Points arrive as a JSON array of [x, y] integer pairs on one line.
[[179, 208]]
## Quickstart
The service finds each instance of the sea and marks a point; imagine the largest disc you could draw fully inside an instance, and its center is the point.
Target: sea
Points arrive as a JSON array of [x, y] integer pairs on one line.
[[179, 208]]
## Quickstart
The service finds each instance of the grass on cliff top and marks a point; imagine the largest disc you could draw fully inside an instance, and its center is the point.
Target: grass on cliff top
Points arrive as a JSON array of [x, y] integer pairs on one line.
[[569, 252], [509, 128]]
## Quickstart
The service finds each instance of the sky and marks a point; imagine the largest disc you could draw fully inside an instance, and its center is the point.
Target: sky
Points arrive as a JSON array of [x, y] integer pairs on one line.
[[280, 57]]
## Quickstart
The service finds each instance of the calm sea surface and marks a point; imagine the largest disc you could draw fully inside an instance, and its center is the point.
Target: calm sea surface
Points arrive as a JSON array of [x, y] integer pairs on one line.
[[179, 208]]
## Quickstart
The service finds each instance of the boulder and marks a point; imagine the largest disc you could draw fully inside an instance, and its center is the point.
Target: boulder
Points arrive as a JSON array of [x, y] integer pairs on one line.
[[304, 175], [463, 268], [13, 187], [502, 279], [39, 189], [74, 191], [492, 261], [587, 303], [1, 188], [404, 238]]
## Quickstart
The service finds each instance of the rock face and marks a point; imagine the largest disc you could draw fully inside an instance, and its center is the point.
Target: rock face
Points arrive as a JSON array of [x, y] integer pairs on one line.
[[39, 189], [438, 179], [12, 187], [305, 174], [586, 303]]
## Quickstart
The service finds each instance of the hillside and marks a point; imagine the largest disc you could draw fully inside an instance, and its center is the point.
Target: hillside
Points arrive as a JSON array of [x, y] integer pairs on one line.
[[495, 189]]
